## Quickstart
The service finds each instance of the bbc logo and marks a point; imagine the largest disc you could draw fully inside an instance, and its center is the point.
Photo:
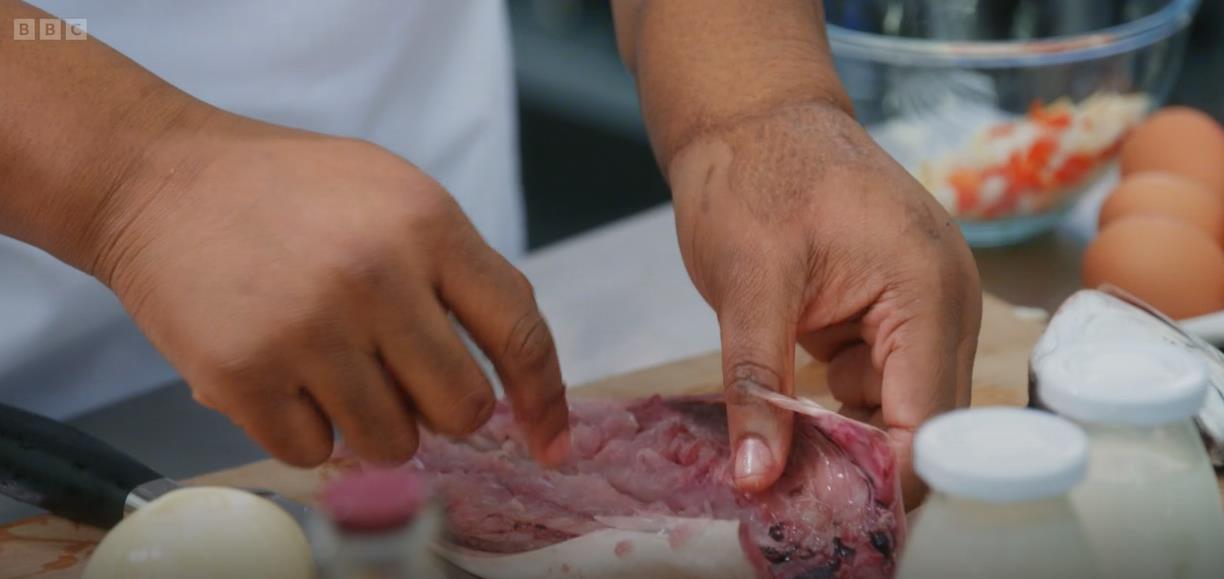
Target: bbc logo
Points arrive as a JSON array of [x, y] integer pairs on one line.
[[50, 29]]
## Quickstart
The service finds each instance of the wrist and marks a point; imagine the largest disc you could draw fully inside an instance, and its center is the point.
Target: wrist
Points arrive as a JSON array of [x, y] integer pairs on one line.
[[700, 66], [817, 122], [817, 101], [109, 215], [76, 201]]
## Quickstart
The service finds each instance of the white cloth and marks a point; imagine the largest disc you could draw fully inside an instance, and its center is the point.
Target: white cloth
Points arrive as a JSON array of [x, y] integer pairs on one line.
[[430, 80]]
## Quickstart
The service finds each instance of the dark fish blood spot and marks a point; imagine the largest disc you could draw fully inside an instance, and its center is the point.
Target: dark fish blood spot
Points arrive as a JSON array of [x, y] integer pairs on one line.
[[827, 571], [841, 550], [882, 542], [777, 556], [776, 532]]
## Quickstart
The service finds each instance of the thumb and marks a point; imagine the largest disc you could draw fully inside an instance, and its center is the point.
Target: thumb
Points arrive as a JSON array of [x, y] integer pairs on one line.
[[758, 347]]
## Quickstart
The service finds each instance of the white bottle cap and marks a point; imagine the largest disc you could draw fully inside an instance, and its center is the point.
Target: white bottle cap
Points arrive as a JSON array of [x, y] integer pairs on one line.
[[1123, 383], [1001, 455]]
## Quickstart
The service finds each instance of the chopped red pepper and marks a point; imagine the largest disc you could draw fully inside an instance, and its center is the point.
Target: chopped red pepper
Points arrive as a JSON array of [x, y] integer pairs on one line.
[[1021, 172], [1074, 169], [1056, 120], [1049, 117], [1029, 176], [1041, 150], [967, 184]]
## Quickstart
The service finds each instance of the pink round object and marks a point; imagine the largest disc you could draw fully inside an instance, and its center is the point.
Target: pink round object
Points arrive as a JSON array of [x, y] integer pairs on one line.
[[374, 500]]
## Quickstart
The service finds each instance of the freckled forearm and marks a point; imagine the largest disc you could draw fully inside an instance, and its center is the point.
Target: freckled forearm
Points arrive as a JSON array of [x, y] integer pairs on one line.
[[701, 65], [78, 124]]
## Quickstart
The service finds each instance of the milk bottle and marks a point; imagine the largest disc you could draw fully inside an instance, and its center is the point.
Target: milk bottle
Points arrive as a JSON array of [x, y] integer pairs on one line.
[[1150, 503], [999, 507]]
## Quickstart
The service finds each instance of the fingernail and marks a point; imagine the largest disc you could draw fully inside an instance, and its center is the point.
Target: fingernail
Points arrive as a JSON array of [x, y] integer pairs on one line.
[[557, 450], [753, 460]]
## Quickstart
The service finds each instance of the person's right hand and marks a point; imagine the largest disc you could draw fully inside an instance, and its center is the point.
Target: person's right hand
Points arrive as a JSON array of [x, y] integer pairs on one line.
[[299, 281]]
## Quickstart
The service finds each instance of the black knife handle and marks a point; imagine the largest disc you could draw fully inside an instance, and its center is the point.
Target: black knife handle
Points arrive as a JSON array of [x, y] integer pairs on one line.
[[54, 466]]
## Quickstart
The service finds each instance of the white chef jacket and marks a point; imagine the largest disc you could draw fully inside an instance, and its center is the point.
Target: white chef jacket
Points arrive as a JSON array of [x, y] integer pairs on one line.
[[428, 79]]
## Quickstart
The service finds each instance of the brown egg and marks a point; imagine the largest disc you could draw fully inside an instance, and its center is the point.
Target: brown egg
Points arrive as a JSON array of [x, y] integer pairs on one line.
[[1175, 267], [1169, 195], [1180, 140]]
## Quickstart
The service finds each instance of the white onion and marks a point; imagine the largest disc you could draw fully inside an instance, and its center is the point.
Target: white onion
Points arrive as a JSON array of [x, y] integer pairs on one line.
[[204, 532]]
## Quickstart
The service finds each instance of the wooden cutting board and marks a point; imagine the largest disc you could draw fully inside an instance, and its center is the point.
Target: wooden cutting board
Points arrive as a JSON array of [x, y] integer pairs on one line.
[[48, 547]]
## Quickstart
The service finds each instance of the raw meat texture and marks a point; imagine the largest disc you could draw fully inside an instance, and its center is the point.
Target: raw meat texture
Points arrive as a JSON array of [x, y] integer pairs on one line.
[[836, 512]]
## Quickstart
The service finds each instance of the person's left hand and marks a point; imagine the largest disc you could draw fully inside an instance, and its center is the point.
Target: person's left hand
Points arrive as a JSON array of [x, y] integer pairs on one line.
[[796, 227]]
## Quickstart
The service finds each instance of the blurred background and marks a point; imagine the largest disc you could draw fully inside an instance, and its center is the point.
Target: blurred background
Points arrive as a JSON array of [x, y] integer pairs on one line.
[[586, 160]]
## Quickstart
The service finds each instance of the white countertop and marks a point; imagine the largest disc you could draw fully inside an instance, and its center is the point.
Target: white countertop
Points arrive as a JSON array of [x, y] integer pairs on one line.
[[618, 298]]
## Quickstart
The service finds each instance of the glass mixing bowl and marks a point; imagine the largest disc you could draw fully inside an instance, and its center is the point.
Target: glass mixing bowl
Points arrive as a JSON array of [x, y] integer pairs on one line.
[[1006, 110]]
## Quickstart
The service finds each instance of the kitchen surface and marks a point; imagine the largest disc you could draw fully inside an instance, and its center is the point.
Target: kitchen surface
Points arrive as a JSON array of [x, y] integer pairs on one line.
[[608, 274]]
